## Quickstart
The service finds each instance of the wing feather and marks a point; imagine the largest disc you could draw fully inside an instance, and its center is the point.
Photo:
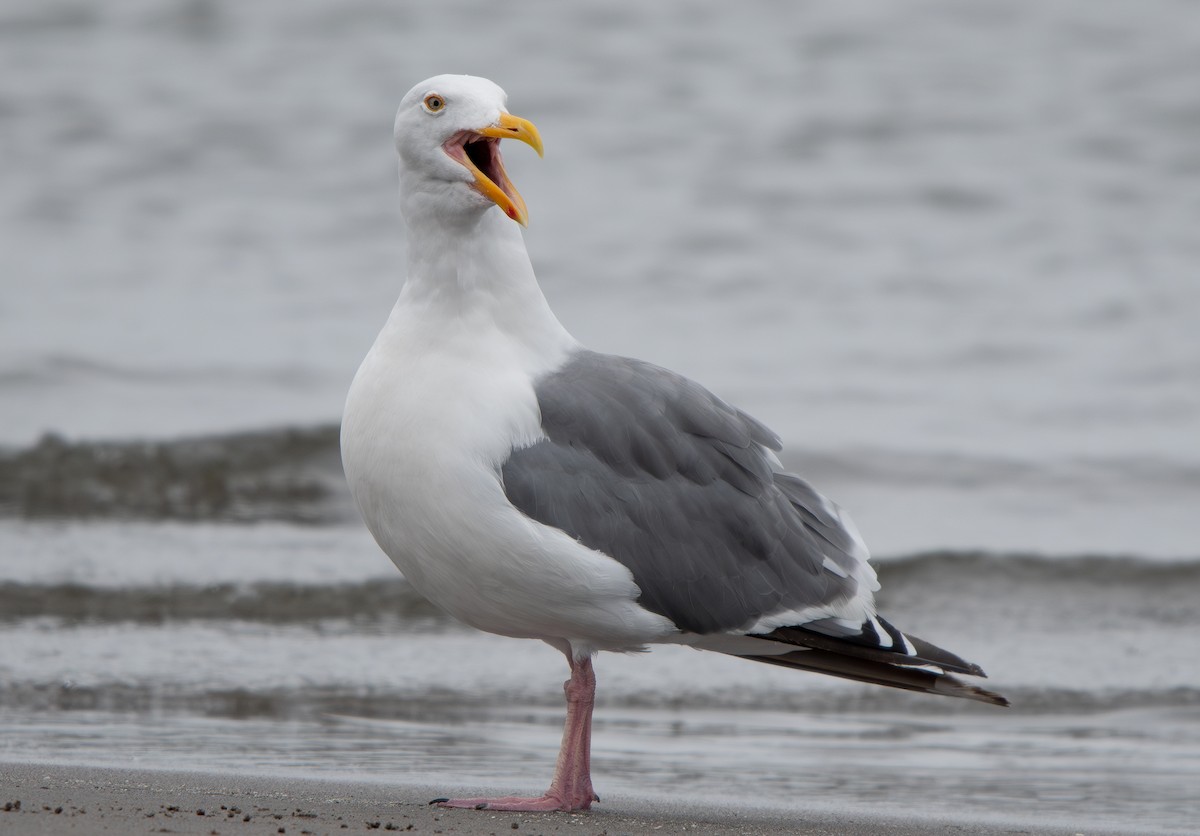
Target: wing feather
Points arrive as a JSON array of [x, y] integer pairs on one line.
[[652, 469]]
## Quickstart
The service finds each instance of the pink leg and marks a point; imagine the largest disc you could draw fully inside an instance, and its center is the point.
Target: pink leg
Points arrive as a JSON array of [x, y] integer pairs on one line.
[[572, 785]]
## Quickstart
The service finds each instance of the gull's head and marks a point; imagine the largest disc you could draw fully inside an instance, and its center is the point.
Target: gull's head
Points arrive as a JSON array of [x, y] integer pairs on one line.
[[448, 133]]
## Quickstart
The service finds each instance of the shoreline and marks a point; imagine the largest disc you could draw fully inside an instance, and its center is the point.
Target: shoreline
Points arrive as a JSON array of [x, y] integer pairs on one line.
[[40, 799]]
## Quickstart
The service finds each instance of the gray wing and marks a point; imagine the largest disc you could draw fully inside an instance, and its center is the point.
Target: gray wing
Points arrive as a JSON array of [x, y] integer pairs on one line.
[[658, 473]]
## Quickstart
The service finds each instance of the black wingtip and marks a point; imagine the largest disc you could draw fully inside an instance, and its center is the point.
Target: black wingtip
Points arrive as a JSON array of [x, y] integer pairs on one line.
[[438, 801], [890, 672], [866, 647], [953, 687]]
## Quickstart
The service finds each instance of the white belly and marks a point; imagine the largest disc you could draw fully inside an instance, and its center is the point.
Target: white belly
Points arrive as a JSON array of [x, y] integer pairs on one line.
[[429, 420]]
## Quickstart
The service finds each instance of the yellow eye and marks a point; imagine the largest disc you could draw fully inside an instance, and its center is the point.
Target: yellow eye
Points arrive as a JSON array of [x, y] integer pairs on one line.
[[434, 102]]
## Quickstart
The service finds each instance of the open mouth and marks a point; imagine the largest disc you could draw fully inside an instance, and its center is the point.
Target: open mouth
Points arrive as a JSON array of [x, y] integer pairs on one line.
[[484, 153], [480, 155]]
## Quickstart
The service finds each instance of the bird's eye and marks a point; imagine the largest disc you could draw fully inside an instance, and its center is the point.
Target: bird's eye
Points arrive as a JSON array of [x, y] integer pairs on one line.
[[434, 102]]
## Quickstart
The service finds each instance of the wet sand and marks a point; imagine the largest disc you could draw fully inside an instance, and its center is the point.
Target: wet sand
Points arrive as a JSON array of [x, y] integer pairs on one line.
[[37, 799]]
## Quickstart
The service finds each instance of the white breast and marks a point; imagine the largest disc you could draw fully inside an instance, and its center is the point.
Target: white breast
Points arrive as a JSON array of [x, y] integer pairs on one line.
[[433, 412]]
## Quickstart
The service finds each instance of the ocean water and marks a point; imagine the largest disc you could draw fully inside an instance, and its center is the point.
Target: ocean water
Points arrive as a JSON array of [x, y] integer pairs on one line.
[[948, 251]]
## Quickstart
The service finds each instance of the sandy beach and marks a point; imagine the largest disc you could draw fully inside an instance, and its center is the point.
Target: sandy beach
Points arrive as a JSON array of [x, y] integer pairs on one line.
[[38, 799]]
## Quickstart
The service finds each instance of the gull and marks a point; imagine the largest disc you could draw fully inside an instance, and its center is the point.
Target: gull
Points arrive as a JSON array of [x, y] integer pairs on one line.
[[533, 488]]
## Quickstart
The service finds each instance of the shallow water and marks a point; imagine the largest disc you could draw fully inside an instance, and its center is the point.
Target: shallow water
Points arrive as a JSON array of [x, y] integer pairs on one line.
[[277, 647], [948, 251]]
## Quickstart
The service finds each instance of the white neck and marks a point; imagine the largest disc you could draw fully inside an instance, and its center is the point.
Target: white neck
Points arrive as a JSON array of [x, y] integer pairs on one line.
[[468, 265]]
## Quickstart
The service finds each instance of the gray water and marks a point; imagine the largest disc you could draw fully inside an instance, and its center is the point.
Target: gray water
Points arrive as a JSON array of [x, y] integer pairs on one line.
[[949, 251]]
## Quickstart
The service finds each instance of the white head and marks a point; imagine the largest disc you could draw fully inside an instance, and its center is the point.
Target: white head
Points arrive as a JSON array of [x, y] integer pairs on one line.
[[448, 132]]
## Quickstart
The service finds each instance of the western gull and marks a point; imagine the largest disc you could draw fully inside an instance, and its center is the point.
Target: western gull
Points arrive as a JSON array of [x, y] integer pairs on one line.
[[533, 488]]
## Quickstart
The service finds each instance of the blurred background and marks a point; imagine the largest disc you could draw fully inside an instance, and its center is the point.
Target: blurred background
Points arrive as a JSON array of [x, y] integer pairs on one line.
[[949, 251]]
